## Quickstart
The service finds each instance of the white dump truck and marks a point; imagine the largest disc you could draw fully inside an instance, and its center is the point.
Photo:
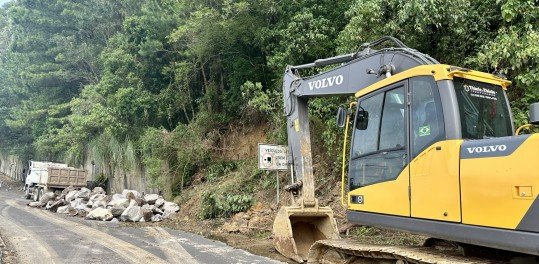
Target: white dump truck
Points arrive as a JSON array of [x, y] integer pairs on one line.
[[49, 176]]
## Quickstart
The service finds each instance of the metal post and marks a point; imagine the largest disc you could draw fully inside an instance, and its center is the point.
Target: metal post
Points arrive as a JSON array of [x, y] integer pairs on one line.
[[278, 198]]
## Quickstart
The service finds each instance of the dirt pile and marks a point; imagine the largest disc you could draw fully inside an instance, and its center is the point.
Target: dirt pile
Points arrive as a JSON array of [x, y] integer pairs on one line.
[[7, 183], [129, 206], [258, 218]]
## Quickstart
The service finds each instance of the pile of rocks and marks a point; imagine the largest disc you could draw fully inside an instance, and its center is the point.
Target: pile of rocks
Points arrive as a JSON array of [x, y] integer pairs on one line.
[[129, 206]]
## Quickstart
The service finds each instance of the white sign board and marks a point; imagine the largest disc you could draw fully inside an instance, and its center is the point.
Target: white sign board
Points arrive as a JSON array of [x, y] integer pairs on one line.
[[272, 157]]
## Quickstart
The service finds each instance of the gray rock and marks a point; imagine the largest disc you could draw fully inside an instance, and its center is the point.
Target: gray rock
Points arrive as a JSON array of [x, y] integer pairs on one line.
[[171, 207], [157, 218], [82, 209], [71, 195], [140, 201], [114, 220], [63, 209], [48, 205], [147, 214], [35, 204], [119, 202], [136, 195], [151, 198], [72, 211], [100, 214], [131, 214], [98, 190], [67, 209], [157, 211], [98, 200], [117, 196], [77, 202], [54, 206], [159, 202], [117, 210], [84, 193], [67, 190], [46, 198]]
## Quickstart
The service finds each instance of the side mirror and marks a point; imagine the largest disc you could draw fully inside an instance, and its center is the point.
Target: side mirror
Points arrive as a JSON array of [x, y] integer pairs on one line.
[[534, 114], [362, 119], [341, 117]]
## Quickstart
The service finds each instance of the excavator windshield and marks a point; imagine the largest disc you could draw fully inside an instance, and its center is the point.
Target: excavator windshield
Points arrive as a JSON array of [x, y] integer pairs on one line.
[[484, 111]]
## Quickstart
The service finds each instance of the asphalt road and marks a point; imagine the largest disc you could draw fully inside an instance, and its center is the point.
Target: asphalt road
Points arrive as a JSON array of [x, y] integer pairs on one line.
[[39, 236]]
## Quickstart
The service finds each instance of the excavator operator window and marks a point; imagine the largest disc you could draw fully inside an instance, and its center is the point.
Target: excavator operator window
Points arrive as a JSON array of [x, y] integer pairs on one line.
[[426, 113], [378, 152], [484, 112]]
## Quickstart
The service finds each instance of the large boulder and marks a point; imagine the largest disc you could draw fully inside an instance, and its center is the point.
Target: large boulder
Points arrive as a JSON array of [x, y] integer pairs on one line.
[[34, 204], [100, 214], [45, 198], [117, 210], [134, 194], [132, 214], [157, 218], [117, 196], [156, 210], [119, 202], [71, 195], [67, 209], [98, 200], [48, 205], [84, 193], [54, 206], [76, 202], [159, 202], [63, 209], [151, 198], [82, 209], [98, 190], [171, 207], [147, 214], [67, 190]]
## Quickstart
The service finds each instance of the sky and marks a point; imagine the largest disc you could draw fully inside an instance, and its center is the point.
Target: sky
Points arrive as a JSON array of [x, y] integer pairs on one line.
[[2, 2]]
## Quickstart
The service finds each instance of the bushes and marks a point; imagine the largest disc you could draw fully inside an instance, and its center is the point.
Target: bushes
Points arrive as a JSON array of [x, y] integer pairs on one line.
[[224, 205]]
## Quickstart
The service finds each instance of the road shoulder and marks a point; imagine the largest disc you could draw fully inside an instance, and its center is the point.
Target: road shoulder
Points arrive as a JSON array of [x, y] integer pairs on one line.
[[7, 255]]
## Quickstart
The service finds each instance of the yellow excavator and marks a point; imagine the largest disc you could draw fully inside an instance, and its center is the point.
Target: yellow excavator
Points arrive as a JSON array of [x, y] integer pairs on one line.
[[433, 150]]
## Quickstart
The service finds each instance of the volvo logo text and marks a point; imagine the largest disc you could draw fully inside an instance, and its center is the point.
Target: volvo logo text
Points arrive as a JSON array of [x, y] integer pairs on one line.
[[487, 149], [327, 82]]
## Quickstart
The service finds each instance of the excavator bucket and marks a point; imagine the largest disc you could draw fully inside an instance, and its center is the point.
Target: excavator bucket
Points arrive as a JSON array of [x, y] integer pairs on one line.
[[296, 229]]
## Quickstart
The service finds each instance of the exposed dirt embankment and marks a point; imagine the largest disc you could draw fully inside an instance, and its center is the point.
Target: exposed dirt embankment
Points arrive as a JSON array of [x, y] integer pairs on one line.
[[251, 229]]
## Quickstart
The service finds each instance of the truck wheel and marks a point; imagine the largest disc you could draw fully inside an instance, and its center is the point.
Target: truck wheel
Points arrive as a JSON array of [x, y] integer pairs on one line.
[[27, 193], [36, 194]]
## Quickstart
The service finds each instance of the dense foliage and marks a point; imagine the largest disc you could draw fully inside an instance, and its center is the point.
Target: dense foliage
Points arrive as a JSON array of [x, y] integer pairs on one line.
[[155, 81]]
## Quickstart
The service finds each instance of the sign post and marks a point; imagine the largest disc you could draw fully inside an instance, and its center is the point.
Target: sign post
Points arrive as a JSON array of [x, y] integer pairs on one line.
[[273, 158]]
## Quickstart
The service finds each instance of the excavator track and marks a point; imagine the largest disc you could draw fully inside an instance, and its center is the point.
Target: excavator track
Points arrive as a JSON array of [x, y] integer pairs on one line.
[[350, 251]]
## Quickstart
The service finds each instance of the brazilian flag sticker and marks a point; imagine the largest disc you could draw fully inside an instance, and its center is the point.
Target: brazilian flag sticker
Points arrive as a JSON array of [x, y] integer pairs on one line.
[[424, 131]]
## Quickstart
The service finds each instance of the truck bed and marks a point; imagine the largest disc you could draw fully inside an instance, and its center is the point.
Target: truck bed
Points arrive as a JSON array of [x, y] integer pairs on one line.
[[64, 177]]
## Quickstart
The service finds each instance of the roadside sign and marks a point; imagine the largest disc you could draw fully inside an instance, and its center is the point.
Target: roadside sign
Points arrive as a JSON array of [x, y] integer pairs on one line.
[[272, 157]]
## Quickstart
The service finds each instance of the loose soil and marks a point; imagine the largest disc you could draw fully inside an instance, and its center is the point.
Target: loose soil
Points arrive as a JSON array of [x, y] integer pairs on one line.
[[251, 230]]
